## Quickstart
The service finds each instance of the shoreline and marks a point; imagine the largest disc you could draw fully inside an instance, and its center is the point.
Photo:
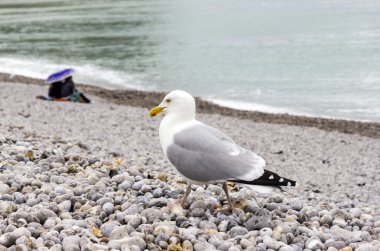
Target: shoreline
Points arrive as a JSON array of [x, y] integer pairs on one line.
[[148, 99]]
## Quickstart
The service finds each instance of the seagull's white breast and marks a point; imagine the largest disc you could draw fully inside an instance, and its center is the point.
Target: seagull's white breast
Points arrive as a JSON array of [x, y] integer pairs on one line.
[[169, 127]]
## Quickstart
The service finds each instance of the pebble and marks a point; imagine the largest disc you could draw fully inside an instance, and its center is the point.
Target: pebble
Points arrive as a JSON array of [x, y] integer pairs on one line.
[[187, 245], [152, 214], [158, 202], [107, 228], [222, 227], [339, 222], [261, 219], [326, 219], [9, 238], [108, 208], [127, 242], [235, 231], [314, 243], [202, 246], [119, 232], [137, 185], [125, 185]]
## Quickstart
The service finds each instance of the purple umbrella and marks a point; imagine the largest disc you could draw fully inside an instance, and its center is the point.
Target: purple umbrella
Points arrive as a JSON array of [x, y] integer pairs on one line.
[[60, 75]]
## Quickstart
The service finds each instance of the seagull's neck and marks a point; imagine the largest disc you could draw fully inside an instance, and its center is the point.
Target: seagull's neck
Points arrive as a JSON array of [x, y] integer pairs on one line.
[[173, 120]]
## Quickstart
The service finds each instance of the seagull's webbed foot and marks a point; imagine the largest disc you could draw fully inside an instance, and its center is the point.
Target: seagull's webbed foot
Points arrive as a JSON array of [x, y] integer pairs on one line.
[[224, 210]]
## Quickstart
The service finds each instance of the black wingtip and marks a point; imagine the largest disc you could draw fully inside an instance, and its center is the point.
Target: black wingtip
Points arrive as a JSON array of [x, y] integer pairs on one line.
[[269, 179]]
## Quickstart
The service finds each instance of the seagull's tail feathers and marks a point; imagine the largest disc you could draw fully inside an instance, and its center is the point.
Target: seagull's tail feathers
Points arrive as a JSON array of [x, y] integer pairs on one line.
[[270, 179]]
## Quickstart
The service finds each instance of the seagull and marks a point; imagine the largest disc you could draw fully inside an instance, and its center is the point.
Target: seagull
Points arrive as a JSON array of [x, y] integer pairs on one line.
[[206, 155]]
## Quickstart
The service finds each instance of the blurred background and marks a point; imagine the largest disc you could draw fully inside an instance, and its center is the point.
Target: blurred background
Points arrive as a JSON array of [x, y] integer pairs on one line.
[[307, 57]]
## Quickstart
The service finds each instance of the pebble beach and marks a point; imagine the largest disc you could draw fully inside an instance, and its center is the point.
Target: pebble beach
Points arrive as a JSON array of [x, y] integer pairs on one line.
[[93, 177]]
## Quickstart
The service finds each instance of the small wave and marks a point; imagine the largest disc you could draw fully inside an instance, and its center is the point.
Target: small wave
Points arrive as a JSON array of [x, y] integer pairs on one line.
[[345, 114], [247, 106], [86, 73]]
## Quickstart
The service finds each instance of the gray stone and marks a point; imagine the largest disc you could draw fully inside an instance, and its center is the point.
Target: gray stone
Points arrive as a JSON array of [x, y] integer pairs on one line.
[[71, 243], [21, 247], [235, 231], [286, 248], [234, 249], [197, 212], [51, 222], [326, 219], [207, 225], [222, 227], [158, 202], [98, 247], [202, 246], [137, 185], [4, 188], [119, 178], [296, 205], [356, 212], [108, 227], [366, 217], [187, 245], [332, 249], [314, 243], [10, 229], [244, 243], [277, 198], [108, 208], [125, 185], [120, 232], [251, 206], [339, 244], [127, 243], [161, 237], [65, 205], [198, 204], [265, 231], [346, 236], [142, 200], [152, 214], [271, 243], [18, 198], [190, 233], [104, 200], [259, 220], [157, 193], [146, 189], [215, 240], [32, 202], [22, 239], [9, 239], [225, 246], [43, 214], [339, 222]]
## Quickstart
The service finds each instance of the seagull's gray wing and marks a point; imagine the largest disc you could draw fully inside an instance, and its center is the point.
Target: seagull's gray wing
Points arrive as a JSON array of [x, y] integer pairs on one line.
[[204, 154]]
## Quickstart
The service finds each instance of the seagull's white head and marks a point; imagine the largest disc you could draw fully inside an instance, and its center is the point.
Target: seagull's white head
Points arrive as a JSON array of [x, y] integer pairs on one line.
[[176, 102]]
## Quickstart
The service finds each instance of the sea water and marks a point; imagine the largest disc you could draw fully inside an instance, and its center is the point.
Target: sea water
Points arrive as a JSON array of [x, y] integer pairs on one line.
[[308, 57]]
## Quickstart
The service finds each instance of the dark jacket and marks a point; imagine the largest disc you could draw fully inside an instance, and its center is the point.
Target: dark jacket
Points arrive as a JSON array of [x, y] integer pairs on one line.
[[62, 89]]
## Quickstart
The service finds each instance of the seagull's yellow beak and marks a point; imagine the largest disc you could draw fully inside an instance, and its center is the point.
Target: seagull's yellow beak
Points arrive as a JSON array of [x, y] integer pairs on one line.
[[156, 110]]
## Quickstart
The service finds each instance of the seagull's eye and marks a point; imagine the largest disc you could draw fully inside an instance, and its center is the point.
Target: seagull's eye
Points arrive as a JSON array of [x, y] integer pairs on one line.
[[168, 100]]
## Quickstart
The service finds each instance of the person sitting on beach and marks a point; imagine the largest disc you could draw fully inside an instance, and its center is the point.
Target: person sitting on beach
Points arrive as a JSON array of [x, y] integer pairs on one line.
[[62, 88]]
